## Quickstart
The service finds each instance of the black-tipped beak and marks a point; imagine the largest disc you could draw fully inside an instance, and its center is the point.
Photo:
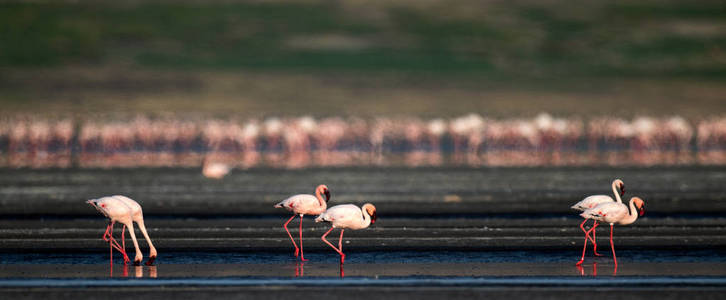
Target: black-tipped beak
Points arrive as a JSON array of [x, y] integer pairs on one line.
[[641, 211], [622, 190], [327, 195], [373, 218]]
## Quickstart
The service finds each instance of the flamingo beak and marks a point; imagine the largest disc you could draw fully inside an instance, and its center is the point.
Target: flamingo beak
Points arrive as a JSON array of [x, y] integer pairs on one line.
[[373, 218], [641, 211], [622, 190], [327, 195]]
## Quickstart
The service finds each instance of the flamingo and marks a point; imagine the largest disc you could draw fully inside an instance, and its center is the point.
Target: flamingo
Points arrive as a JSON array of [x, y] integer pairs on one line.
[[304, 204], [214, 170], [614, 212], [347, 216], [595, 200], [125, 211]]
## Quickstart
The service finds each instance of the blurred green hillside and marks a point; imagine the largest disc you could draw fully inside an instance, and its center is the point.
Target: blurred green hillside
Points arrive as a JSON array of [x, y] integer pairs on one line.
[[155, 55]]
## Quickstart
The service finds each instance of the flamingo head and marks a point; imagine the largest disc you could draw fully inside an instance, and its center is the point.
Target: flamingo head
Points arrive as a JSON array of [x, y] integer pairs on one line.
[[371, 210], [621, 186], [98, 205], [639, 205], [323, 189]]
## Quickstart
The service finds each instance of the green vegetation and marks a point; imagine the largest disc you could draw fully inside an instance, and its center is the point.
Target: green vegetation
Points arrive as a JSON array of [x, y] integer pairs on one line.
[[498, 38], [320, 57]]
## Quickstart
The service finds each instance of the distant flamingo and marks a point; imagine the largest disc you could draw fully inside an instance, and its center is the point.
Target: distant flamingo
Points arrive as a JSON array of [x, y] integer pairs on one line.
[[595, 200], [214, 170], [614, 212], [125, 211], [304, 204], [347, 216]]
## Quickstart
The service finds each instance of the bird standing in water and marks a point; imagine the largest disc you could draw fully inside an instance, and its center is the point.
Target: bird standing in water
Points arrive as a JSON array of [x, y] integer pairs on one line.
[[612, 213], [304, 204], [125, 211], [595, 200], [347, 216]]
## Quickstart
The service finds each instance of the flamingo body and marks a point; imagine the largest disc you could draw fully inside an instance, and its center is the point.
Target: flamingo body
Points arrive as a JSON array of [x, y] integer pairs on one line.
[[347, 216], [215, 170], [592, 201], [303, 204]]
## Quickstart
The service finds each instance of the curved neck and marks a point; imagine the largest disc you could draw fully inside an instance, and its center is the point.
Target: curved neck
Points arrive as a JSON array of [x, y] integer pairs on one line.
[[366, 218], [616, 192], [321, 201], [632, 214]]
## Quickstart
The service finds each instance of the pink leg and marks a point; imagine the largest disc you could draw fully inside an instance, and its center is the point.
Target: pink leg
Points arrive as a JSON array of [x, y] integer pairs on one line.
[[594, 269], [115, 244], [582, 226], [302, 258], [123, 239], [342, 256], [587, 236], [612, 246], [108, 237], [340, 246], [594, 244], [297, 250]]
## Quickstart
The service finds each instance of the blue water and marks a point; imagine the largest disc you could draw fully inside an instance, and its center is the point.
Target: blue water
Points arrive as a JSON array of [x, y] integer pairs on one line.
[[373, 257], [626, 281]]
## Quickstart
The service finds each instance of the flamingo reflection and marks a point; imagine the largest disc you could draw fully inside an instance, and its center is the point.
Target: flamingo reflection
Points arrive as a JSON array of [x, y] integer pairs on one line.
[[299, 269], [581, 269]]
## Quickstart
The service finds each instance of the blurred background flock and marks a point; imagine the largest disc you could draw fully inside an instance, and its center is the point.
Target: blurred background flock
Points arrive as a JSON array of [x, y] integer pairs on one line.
[[294, 84]]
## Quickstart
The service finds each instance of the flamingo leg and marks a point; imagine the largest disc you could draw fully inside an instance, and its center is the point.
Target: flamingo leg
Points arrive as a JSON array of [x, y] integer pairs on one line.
[[584, 247], [340, 247], [594, 244], [297, 250], [302, 257], [123, 238], [612, 246], [108, 236], [582, 226], [342, 256]]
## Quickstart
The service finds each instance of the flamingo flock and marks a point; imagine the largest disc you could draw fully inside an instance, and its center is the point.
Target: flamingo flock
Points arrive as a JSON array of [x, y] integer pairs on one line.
[[599, 208], [294, 142]]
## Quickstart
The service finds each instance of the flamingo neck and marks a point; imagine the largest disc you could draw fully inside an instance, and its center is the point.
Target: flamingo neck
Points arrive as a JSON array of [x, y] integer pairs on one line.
[[321, 201], [616, 192], [632, 214], [366, 218]]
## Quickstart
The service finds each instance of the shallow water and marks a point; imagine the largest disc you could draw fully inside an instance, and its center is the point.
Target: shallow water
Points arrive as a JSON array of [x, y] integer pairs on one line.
[[380, 257]]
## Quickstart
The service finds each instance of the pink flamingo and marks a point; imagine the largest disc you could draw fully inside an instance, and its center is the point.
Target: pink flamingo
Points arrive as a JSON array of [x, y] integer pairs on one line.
[[595, 200], [125, 211], [304, 204], [347, 216], [614, 212]]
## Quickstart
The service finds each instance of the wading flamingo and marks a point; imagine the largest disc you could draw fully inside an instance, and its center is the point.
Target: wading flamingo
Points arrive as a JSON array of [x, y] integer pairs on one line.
[[613, 212], [347, 216], [595, 200], [125, 211], [215, 170], [304, 204]]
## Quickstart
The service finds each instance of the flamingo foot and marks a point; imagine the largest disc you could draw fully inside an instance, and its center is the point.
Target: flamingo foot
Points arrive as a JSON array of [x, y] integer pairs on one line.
[[579, 263], [150, 262], [137, 262], [303, 259], [297, 251]]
